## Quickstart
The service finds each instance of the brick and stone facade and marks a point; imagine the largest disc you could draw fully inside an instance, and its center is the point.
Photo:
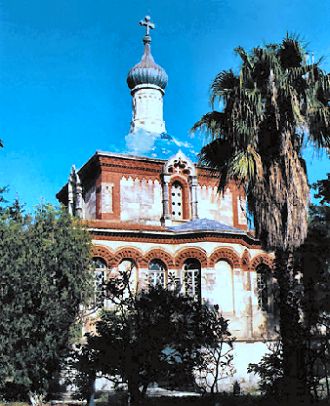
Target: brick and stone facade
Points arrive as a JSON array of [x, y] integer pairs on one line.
[[165, 217]]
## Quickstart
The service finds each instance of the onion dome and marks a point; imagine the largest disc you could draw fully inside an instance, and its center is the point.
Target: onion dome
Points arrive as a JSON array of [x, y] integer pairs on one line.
[[147, 72]]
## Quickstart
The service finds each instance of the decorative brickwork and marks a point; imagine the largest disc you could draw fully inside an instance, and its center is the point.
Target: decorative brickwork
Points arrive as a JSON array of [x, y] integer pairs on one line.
[[186, 253], [159, 254], [127, 253], [262, 259], [226, 254], [104, 253], [245, 261]]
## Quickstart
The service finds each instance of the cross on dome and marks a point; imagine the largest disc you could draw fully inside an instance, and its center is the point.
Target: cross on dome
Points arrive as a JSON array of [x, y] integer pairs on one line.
[[148, 24], [147, 72]]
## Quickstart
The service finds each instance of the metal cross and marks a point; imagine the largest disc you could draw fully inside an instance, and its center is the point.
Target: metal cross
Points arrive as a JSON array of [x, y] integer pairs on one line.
[[148, 24]]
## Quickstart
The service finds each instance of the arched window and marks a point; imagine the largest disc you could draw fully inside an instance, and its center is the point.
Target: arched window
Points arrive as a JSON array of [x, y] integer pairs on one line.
[[192, 278], [128, 267], [264, 287], [177, 201], [156, 274], [100, 268]]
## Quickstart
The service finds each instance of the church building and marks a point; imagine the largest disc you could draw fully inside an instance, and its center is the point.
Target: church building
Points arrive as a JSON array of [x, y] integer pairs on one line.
[[160, 214]]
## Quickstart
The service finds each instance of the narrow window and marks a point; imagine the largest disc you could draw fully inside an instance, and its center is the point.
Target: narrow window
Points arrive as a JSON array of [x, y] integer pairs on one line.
[[263, 287], [128, 268], [156, 274], [177, 201], [192, 278], [100, 268]]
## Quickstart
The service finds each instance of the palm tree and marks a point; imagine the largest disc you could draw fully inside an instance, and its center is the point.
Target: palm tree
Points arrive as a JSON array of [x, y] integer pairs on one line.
[[276, 102]]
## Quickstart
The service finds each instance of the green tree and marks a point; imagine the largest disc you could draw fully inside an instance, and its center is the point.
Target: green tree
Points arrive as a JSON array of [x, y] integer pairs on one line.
[[270, 107], [217, 354], [313, 261], [153, 336], [44, 262]]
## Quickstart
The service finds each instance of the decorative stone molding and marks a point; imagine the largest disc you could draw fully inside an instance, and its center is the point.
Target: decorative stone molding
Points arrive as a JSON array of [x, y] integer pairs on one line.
[[198, 237], [159, 254], [196, 253], [180, 164], [226, 254], [262, 259], [103, 252], [128, 253]]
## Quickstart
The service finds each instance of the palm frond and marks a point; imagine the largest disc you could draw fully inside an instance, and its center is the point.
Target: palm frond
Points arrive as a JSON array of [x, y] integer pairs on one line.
[[216, 154], [246, 166], [213, 123], [291, 52], [244, 56], [223, 85], [319, 126]]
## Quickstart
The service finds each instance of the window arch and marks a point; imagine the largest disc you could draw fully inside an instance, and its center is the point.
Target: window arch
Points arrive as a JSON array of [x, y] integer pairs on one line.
[[192, 278], [177, 201], [100, 269], [264, 287], [156, 275]]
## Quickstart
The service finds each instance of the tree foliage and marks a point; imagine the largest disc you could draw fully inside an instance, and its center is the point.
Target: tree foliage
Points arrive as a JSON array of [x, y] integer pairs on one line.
[[152, 336], [312, 263], [217, 354], [275, 102], [44, 262], [257, 138]]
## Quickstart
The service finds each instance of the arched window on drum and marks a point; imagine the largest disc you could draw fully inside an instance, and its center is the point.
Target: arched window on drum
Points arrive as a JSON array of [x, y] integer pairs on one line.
[[100, 269], [264, 288], [156, 275], [177, 201], [192, 278]]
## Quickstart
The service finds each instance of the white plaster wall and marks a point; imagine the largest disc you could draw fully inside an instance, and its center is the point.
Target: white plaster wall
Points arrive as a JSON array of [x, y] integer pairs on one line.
[[148, 111], [218, 287], [106, 197], [244, 354], [90, 204], [242, 208], [212, 206], [140, 200]]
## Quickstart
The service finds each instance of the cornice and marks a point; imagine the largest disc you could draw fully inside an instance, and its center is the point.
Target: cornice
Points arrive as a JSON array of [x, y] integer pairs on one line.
[[166, 237]]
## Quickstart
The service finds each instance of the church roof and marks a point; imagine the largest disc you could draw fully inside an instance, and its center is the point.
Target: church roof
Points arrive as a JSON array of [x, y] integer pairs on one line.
[[205, 225]]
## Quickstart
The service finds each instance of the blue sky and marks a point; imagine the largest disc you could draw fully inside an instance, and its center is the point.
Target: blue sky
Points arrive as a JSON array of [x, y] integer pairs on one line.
[[63, 68]]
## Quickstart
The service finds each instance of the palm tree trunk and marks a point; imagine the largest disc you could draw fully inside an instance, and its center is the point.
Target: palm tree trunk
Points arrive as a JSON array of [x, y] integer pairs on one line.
[[293, 341], [135, 396]]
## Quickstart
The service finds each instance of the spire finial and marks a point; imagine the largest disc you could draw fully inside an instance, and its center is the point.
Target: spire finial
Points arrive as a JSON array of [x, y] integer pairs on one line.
[[149, 26]]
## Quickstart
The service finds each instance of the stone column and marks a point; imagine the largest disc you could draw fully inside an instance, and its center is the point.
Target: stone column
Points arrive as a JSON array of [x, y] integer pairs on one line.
[[249, 308], [79, 201], [193, 192], [166, 218], [70, 197]]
